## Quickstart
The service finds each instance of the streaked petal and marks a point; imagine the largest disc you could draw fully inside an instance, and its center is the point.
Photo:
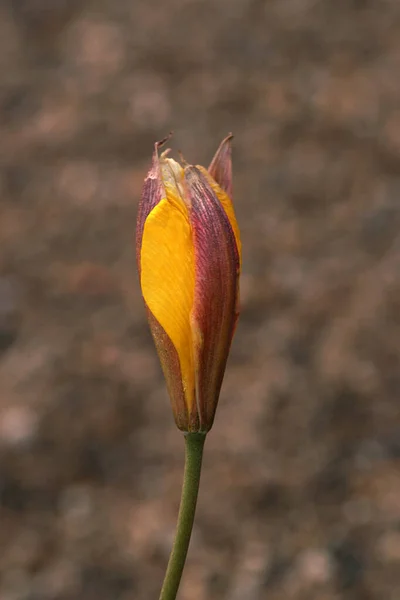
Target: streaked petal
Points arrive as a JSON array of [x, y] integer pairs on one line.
[[167, 280], [152, 194], [220, 167], [227, 205], [217, 267]]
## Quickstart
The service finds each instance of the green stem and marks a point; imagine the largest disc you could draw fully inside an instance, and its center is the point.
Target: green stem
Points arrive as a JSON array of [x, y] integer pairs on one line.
[[194, 444]]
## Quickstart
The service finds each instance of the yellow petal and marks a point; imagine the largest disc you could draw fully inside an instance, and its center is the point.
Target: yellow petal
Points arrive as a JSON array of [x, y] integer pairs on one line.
[[227, 205], [167, 278]]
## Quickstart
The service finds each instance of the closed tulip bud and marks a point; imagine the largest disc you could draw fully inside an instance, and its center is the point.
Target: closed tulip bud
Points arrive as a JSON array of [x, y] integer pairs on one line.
[[189, 257]]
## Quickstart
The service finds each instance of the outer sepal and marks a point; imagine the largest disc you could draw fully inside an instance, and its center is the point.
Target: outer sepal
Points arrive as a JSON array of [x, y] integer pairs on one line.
[[214, 313]]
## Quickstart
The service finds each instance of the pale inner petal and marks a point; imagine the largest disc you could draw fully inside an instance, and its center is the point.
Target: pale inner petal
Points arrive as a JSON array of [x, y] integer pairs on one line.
[[172, 176], [167, 278]]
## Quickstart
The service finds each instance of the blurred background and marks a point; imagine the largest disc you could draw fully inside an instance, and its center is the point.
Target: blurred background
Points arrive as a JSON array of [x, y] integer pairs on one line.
[[300, 495]]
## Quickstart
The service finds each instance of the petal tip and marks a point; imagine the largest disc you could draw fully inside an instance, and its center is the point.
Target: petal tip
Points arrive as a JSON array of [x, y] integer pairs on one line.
[[221, 165], [162, 142]]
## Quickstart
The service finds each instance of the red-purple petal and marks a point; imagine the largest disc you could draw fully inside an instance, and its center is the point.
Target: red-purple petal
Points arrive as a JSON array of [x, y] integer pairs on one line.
[[221, 165], [214, 313], [152, 193]]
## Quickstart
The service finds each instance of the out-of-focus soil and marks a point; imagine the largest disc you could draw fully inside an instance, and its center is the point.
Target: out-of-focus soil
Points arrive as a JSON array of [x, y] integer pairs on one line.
[[300, 495]]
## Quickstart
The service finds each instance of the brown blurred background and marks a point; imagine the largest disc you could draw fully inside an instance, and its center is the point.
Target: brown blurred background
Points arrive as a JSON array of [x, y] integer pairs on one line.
[[300, 495]]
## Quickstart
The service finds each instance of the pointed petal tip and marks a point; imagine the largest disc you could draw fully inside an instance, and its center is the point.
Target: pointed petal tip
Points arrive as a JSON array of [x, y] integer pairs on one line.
[[226, 142], [221, 165]]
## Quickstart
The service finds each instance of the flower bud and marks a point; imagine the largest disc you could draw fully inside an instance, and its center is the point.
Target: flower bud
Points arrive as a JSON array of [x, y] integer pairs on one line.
[[189, 257]]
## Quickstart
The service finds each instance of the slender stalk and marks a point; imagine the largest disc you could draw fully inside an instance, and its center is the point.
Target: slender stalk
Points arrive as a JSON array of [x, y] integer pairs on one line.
[[194, 444]]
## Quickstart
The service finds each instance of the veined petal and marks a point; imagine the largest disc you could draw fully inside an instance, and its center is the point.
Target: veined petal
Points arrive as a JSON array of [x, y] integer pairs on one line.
[[214, 313], [167, 280]]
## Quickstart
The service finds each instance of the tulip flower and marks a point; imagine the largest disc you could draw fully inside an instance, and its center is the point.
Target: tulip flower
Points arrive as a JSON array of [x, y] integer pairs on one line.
[[189, 256]]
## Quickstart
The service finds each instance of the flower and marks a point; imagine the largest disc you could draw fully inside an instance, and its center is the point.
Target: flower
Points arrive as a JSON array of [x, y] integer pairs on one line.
[[189, 256]]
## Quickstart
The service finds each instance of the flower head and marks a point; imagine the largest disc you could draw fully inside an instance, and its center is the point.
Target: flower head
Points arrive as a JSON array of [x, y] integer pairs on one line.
[[189, 256]]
